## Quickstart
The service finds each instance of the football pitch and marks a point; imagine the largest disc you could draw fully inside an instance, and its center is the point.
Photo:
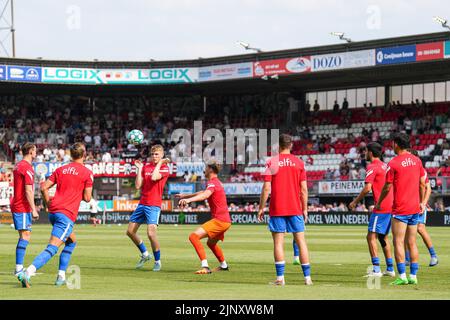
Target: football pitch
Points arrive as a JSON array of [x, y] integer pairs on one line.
[[106, 258]]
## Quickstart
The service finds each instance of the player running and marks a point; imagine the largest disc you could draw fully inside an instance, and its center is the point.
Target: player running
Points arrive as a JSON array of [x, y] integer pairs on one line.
[[151, 179], [421, 229], [73, 183], [380, 220], [405, 174], [215, 228], [22, 205], [285, 178]]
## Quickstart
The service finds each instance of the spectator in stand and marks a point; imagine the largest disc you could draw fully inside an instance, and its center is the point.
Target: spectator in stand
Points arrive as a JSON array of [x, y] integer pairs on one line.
[[345, 104], [316, 106], [336, 107], [328, 174]]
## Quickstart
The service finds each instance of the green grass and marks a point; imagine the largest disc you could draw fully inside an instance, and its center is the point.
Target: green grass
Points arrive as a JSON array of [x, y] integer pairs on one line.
[[106, 257]]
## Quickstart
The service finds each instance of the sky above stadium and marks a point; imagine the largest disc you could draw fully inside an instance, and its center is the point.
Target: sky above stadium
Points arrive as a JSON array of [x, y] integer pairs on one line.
[[188, 29]]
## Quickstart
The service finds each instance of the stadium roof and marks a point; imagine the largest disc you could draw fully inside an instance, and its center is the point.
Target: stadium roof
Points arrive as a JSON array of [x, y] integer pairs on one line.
[[380, 75]]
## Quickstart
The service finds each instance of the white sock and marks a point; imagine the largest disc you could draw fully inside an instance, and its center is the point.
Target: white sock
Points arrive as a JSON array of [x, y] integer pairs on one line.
[[403, 276], [205, 264], [31, 270], [62, 274], [19, 267], [145, 254], [308, 278], [296, 258], [223, 264], [280, 278], [413, 276], [158, 262]]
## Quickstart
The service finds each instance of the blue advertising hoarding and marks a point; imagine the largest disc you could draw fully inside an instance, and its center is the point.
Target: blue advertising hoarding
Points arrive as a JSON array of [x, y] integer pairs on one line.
[[175, 188], [447, 49], [27, 74], [396, 55], [2, 73]]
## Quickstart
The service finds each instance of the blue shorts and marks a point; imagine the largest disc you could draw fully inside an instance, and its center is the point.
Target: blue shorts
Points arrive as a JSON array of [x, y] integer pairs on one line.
[[380, 223], [23, 221], [146, 214], [423, 218], [410, 219], [62, 226], [287, 224]]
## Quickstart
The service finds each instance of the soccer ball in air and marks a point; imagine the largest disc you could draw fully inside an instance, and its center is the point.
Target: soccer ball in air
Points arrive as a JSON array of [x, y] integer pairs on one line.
[[135, 137]]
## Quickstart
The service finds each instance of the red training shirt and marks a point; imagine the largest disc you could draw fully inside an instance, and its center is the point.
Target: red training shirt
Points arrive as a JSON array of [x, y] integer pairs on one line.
[[71, 180], [23, 175], [376, 176], [218, 201], [152, 191], [285, 172]]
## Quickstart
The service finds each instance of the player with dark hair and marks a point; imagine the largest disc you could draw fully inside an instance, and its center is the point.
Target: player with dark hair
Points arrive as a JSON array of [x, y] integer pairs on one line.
[[23, 207], [73, 183], [215, 228], [405, 174], [380, 220], [285, 180]]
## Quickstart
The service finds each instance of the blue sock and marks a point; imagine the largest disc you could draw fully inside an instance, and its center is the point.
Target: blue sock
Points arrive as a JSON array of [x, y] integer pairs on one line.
[[376, 264], [407, 256], [414, 268], [432, 252], [142, 247], [296, 249], [45, 256], [157, 255], [21, 248], [306, 270], [390, 264], [279, 266], [64, 258], [401, 268]]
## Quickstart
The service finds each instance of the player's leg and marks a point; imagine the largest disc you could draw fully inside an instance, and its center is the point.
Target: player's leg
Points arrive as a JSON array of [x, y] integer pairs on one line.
[[22, 223], [64, 259], [387, 251], [373, 250], [62, 228], [153, 237], [300, 239], [195, 238], [296, 253], [152, 218], [278, 254], [399, 227], [212, 244], [422, 230], [414, 252], [136, 219]]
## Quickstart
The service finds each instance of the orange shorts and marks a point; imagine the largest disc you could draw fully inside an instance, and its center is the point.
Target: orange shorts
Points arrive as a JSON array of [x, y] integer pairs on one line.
[[216, 229]]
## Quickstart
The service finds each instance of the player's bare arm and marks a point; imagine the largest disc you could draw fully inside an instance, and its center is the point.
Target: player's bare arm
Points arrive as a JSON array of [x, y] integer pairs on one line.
[[29, 193], [138, 181], [263, 199], [304, 198], [384, 192], [201, 196], [156, 175], [362, 194], [186, 195], [45, 186], [427, 193], [87, 194], [422, 194]]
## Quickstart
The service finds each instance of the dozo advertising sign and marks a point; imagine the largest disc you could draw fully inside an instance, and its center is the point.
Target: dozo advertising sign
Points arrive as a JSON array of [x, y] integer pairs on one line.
[[148, 76], [447, 49], [27, 74], [430, 51], [226, 72], [344, 60], [71, 75], [282, 66], [395, 55], [340, 187]]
